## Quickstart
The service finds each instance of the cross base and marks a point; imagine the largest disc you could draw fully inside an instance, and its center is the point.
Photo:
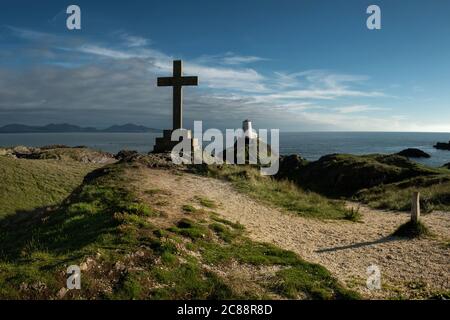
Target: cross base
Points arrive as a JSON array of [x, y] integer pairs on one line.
[[165, 144]]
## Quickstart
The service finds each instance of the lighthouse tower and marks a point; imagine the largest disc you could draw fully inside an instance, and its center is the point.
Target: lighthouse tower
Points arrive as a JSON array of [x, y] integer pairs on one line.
[[248, 130]]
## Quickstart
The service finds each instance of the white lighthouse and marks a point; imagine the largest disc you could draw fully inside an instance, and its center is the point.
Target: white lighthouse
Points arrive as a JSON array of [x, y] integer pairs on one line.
[[248, 130]]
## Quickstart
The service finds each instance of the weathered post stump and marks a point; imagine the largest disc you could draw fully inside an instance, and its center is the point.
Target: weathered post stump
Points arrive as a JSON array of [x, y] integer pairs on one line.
[[415, 207]]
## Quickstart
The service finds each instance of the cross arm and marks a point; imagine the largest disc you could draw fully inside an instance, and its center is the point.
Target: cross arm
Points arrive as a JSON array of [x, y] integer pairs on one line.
[[189, 81], [165, 82]]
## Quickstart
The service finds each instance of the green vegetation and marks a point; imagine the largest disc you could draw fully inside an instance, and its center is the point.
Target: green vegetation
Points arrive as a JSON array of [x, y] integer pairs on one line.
[[104, 227], [412, 229], [434, 190], [190, 229], [187, 208], [224, 232], [381, 181], [281, 193], [30, 184], [296, 277], [234, 225], [445, 295], [343, 175], [353, 215], [79, 154], [313, 279], [153, 192], [206, 202]]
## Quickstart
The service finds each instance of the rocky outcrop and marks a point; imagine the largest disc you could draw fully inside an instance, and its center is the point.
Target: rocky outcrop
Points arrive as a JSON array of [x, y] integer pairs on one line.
[[59, 152], [442, 146], [127, 155], [344, 175], [413, 153], [290, 166], [18, 151], [150, 160]]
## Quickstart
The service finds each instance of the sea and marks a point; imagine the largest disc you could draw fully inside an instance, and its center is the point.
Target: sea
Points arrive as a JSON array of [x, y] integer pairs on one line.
[[310, 145]]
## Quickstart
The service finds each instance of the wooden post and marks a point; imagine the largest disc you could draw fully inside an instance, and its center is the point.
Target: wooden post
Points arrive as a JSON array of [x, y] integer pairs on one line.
[[415, 207]]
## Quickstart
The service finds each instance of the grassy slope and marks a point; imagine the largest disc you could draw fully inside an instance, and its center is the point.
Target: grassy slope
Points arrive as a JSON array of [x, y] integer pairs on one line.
[[344, 175], [105, 225], [281, 193], [28, 184], [435, 194], [432, 183], [381, 181]]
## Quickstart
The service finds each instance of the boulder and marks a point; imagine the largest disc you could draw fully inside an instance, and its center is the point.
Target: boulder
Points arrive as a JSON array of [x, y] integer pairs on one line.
[[413, 153], [127, 155], [22, 150], [6, 152]]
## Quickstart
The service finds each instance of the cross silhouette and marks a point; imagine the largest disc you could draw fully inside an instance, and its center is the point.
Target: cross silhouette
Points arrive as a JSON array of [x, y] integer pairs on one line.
[[177, 82]]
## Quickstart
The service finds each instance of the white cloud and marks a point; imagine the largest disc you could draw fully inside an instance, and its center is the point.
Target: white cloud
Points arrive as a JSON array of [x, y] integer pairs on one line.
[[135, 41], [357, 109], [105, 52], [32, 35], [323, 94], [235, 59], [241, 79]]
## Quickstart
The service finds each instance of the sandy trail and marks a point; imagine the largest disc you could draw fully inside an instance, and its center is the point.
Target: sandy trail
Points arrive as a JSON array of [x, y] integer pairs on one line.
[[412, 268]]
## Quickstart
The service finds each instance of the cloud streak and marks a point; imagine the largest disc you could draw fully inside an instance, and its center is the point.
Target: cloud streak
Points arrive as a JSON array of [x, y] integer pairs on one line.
[[97, 83]]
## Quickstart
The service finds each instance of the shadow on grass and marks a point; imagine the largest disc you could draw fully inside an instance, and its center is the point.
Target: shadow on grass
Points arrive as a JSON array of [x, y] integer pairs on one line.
[[58, 230]]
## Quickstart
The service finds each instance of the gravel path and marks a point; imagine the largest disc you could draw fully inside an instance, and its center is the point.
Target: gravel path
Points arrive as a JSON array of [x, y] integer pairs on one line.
[[410, 268]]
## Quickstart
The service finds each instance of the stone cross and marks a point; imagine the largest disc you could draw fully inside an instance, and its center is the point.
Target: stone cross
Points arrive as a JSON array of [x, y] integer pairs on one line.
[[177, 82], [415, 207]]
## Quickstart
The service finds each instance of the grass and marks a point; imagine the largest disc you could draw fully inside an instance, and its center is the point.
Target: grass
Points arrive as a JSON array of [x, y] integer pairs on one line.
[[187, 208], [281, 193], [103, 216], [311, 279], [104, 220], [353, 214], [205, 202], [29, 184], [234, 225], [343, 175], [444, 295], [434, 190], [380, 181], [190, 229], [67, 154], [297, 278], [156, 191], [412, 229], [224, 232]]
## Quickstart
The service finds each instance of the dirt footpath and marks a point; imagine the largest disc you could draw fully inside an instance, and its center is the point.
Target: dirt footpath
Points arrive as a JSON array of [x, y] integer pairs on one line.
[[410, 268]]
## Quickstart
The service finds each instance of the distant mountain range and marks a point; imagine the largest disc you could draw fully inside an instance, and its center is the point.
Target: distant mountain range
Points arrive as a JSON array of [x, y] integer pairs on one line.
[[65, 127]]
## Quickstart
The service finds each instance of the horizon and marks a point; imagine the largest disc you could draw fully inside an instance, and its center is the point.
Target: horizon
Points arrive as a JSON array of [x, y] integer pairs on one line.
[[98, 127], [298, 66]]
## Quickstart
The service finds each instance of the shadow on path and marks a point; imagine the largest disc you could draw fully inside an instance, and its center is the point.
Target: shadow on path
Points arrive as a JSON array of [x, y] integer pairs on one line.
[[359, 245]]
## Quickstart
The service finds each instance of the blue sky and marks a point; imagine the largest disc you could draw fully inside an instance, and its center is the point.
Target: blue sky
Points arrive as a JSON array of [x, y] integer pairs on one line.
[[294, 65]]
